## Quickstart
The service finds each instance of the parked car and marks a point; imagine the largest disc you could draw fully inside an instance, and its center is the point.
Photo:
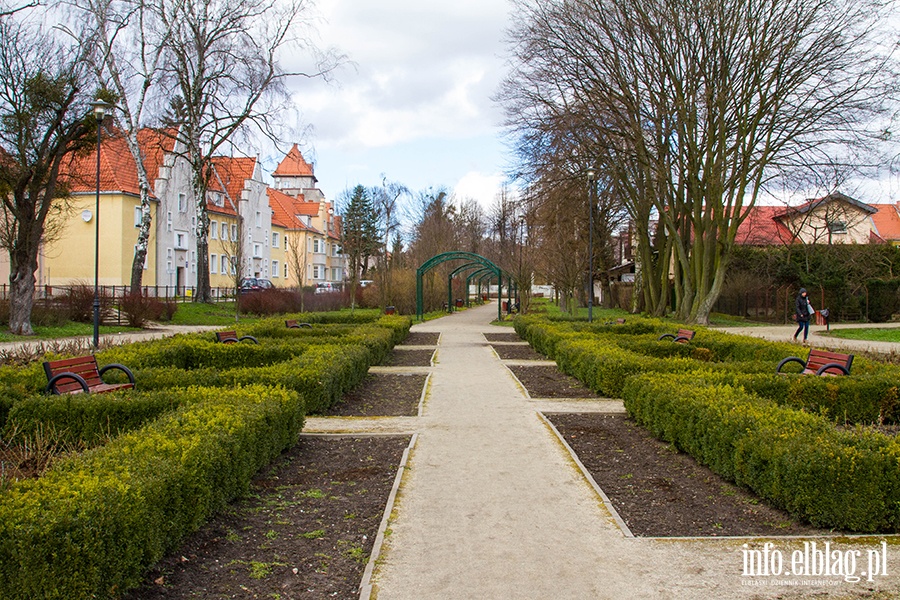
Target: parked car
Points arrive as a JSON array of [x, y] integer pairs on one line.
[[255, 284], [326, 288]]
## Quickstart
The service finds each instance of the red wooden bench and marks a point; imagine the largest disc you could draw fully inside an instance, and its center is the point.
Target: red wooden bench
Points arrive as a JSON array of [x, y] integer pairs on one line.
[[682, 337], [231, 337], [821, 362], [80, 374], [293, 324]]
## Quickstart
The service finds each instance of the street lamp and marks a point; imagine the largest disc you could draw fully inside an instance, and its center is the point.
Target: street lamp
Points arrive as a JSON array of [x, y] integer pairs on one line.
[[590, 175], [100, 110]]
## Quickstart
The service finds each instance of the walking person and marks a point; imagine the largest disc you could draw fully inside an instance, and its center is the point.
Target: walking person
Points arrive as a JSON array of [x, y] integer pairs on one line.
[[803, 310]]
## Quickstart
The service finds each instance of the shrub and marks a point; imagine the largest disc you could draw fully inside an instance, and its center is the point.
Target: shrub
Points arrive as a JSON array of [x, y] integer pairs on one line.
[[79, 302], [839, 479], [93, 524], [139, 309]]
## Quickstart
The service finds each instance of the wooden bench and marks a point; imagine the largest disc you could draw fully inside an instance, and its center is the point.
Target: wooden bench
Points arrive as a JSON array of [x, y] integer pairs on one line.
[[293, 324], [821, 362], [682, 337], [617, 322], [231, 337], [81, 375]]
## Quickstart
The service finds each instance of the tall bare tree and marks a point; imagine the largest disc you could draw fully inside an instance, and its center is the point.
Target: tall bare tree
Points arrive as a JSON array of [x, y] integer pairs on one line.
[[44, 118], [386, 199], [693, 108], [125, 47], [224, 72]]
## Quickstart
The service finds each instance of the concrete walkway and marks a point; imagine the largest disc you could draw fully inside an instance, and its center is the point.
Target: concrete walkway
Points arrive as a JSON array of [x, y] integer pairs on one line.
[[818, 336], [493, 506]]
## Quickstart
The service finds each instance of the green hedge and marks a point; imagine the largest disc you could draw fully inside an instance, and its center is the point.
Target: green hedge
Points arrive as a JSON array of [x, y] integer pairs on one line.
[[839, 479], [89, 418], [92, 525]]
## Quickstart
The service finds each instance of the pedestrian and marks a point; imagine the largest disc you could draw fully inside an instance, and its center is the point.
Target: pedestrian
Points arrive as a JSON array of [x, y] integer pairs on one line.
[[803, 310]]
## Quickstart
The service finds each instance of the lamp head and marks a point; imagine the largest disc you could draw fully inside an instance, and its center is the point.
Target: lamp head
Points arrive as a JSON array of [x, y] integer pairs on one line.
[[590, 174], [100, 109]]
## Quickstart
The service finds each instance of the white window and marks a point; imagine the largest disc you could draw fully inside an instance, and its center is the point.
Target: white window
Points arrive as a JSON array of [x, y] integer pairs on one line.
[[234, 236], [317, 245], [214, 229], [225, 263], [169, 220], [138, 215], [286, 241], [224, 235], [169, 253], [335, 274], [258, 219], [335, 250], [274, 239], [193, 223], [285, 270], [233, 265], [317, 272], [837, 227], [275, 271], [213, 263], [180, 240], [257, 250], [182, 203], [266, 238], [169, 267]]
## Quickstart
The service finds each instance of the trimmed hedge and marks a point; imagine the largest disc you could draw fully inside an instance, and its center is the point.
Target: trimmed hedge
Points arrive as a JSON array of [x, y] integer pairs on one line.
[[847, 480], [93, 524]]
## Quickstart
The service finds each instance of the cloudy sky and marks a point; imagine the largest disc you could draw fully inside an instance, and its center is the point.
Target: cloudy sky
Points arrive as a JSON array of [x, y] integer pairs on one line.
[[415, 104]]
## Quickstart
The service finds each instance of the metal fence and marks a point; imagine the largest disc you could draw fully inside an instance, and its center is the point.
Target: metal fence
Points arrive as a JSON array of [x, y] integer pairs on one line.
[[163, 292]]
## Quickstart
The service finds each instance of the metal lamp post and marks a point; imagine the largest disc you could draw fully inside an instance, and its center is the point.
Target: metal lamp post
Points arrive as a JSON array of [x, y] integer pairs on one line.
[[590, 175], [100, 109]]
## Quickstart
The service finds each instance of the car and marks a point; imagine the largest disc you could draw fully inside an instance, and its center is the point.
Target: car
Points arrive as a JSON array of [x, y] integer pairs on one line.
[[255, 284], [326, 288]]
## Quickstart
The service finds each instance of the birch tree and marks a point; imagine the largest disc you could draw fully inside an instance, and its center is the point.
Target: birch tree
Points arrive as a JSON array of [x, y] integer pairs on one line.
[[224, 73]]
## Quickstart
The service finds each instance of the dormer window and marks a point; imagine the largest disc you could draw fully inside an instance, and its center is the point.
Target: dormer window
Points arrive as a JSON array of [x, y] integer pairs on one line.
[[837, 227]]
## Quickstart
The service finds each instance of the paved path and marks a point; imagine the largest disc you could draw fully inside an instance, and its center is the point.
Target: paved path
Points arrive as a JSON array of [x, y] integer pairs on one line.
[[493, 506], [818, 337], [110, 339]]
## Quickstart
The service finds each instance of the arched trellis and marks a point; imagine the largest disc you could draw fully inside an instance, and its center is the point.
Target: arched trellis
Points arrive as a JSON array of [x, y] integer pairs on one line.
[[471, 257], [454, 273], [479, 276]]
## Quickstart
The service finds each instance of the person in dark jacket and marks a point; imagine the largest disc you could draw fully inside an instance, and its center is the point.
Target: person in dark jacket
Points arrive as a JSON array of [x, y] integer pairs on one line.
[[803, 310]]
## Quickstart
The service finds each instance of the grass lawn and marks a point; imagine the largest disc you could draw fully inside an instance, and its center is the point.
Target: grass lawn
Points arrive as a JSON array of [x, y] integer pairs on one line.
[[197, 313], [869, 334], [70, 329]]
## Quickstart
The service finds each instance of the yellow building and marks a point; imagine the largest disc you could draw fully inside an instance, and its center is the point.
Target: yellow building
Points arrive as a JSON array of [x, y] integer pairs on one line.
[[68, 254]]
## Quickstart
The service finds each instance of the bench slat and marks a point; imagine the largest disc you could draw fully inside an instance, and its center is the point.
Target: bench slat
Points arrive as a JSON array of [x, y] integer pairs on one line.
[[86, 368]]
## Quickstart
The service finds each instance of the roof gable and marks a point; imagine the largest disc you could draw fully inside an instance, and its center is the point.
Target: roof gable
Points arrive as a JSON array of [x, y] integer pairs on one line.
[[294, 165]]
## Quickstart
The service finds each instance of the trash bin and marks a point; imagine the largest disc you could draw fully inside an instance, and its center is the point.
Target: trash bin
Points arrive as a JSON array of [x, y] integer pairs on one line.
[[505, 306], [389, 310], [459, 303]]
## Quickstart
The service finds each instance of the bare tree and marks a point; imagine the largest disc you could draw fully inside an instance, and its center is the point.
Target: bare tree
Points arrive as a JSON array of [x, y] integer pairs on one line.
[[691, 108], [386, 199], [44, 118], [126, 50], [222, 67]]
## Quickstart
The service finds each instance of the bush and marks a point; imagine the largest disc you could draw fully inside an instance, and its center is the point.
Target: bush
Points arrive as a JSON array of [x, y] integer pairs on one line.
[[93, 524], [837, 479], [79, 302], [139, 309]]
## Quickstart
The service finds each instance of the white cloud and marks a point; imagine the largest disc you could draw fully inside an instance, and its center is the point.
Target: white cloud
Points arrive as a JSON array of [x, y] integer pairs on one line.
[[479, 186]]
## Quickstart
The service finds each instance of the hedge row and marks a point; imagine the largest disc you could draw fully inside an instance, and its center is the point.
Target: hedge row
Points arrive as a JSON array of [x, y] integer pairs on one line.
[[604, 357], [92, 525], [847, 480]]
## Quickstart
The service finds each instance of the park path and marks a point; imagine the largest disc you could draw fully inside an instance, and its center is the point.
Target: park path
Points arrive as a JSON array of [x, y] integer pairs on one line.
[[493, 506]]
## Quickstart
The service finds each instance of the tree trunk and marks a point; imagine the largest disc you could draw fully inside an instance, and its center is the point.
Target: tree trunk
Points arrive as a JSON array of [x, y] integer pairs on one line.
[[21, 299]]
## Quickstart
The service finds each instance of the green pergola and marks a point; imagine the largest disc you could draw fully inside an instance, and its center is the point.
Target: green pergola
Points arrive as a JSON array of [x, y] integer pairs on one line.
[[473, 261]]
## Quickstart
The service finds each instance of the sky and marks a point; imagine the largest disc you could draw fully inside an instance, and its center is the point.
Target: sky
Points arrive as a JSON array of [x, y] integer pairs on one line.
[[414, 103]]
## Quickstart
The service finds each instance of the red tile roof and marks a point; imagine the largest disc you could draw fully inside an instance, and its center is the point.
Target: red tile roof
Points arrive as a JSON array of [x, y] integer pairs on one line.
[[117, 170], [233, 173], [284, 211], [886, 222], [293, 165], [762, 227]]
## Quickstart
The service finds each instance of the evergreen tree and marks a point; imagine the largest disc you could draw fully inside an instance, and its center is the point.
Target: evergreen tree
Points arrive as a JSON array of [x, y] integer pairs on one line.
[[360, 235]]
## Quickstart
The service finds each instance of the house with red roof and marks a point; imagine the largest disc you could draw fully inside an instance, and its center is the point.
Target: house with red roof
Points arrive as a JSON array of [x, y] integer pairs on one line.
[[308, 222]]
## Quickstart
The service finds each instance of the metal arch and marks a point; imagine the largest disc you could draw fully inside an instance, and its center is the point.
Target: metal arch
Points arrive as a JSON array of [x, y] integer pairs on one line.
[[447, 256], [454, 273], [480, 274]]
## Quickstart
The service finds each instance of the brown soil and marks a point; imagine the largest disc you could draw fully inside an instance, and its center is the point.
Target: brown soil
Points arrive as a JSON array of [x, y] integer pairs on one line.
[[422, 338], [502, 337], [408, 358], [305, 529], [661, 492], [517, 352], [549, 382], [383, 395]]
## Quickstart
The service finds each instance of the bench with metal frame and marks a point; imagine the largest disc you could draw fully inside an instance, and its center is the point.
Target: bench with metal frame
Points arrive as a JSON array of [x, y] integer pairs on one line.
[[821, 362], [682, 337], [82, 375], [293, 324], [231, 337]]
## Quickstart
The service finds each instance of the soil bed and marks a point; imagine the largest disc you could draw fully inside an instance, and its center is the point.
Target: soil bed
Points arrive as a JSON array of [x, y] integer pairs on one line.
[[502, 337], [408, 358], [661, 492], [304, 531], [517, 352], [422, 338], [383, 395], [550, 382]]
